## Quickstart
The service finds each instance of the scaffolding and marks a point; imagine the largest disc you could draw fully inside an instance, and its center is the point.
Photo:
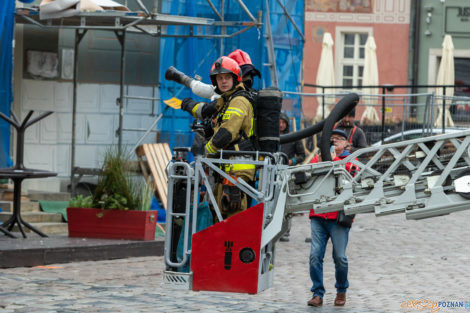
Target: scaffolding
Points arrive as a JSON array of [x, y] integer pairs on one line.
[[152, 24]]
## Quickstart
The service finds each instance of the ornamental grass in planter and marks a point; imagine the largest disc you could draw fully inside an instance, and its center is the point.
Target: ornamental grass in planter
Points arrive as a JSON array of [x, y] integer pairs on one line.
[[118, 208]]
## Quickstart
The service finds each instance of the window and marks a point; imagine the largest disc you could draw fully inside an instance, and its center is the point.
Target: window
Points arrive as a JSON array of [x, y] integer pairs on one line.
[[353, 58], [462, 76], [460, 108], [350, 53]]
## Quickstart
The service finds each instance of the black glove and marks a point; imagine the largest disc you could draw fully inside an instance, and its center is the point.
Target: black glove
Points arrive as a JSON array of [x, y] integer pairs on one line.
[[209, 109], [188, 105], [208, 129], [231, 198]]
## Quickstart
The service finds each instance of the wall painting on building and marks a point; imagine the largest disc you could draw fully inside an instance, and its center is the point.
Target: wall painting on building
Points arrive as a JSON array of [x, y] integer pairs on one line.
[[356, 6]]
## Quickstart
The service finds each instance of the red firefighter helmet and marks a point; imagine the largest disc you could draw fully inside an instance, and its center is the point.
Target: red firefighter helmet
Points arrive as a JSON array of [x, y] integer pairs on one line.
[[225, 65], [244, 61], [241, 57]]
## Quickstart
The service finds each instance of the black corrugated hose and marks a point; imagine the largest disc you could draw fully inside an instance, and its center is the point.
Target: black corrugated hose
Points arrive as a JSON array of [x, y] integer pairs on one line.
[[346, 104]]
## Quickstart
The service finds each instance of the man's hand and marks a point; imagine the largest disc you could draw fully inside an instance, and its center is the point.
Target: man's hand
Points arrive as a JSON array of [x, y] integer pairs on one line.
[[333, 155], [188, 105]]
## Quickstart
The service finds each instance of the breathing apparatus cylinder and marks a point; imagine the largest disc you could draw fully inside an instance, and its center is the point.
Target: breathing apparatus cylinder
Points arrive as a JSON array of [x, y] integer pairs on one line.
[[268, 109]]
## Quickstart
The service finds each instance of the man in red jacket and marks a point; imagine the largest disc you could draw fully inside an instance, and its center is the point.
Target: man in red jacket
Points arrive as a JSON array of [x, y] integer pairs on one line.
[[323, 227]]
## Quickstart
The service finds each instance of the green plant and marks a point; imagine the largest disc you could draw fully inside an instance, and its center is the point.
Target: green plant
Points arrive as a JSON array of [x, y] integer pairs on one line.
[[81, 202], [146, 195], [114, 201], [116, 188]]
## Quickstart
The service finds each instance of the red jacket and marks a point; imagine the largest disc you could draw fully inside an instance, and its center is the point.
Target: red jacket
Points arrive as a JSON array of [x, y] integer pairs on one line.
[[351, 168]]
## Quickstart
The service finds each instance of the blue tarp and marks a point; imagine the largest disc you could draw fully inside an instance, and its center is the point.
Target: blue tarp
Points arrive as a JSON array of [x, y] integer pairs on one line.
[[7, 18], [196, 55]]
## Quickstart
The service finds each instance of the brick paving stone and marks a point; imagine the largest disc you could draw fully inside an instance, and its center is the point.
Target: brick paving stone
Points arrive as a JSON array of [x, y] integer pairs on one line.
[[391, 261]]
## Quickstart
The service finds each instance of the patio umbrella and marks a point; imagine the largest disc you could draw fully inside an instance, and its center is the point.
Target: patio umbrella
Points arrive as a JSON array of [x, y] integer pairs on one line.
[[325, 76], [370, 77], [445, 76]]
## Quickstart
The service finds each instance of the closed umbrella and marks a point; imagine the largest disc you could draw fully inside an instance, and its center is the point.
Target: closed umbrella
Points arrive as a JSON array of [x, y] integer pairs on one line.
[[325, 76], [445, 76], [370, 77]]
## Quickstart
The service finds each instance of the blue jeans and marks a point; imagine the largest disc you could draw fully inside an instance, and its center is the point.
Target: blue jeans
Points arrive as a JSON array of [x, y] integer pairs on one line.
[[322, 230]]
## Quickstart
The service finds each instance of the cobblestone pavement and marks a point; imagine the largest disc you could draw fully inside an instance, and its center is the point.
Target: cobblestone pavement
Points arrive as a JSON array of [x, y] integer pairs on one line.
[[391, 261]]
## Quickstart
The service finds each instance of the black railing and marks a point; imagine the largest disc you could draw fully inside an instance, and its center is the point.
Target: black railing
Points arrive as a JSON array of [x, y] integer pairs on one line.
[[390, 87]]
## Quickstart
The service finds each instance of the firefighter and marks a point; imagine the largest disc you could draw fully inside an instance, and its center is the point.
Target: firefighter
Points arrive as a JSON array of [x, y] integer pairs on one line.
[[203, 110], [233, 129], [248, 70]]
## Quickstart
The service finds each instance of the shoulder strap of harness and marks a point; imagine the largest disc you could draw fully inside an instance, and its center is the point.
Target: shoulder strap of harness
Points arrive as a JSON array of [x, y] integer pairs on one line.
[[351, 135], [249, 95]]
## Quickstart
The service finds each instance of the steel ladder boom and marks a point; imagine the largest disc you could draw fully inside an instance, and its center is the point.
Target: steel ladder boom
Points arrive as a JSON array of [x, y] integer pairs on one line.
[[423, 178]]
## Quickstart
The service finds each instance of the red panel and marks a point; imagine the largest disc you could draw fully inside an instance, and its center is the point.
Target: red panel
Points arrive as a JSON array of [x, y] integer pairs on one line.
[[111, 224], [215, 260]]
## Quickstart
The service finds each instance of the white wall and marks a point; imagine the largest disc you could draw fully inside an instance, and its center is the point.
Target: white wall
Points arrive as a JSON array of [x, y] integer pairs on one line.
[[48, 143]]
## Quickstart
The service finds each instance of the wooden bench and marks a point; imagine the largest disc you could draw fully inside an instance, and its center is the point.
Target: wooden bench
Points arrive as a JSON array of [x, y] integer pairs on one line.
[[153, 159]]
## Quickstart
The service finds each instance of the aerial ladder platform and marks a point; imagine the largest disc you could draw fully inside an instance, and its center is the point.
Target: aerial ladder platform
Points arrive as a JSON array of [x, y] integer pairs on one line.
[[421, 178]]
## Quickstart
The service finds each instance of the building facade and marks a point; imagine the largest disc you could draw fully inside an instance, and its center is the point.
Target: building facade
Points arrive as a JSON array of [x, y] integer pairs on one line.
[[436, 19], [350, 23]]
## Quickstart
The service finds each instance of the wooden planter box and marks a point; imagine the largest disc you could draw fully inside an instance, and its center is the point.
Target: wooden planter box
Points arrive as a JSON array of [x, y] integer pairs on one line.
[[111, 224]]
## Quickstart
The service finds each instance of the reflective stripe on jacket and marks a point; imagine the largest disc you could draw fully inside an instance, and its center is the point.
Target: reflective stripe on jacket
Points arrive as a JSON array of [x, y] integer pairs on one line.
[[236, 116]]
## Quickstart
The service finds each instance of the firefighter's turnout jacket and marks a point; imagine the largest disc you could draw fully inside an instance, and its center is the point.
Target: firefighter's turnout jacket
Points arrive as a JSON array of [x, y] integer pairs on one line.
[[233, 124]]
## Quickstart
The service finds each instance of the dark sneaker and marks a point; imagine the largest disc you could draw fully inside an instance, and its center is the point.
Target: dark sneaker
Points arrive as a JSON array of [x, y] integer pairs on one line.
[[284, 238], [315, 301]]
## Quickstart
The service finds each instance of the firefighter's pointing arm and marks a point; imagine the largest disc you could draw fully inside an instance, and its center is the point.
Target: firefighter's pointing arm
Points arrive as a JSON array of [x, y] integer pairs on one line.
[[199, 110]]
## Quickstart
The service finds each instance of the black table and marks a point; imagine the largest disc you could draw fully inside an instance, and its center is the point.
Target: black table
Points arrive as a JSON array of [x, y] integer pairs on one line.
[[18, 173], [17, 176]]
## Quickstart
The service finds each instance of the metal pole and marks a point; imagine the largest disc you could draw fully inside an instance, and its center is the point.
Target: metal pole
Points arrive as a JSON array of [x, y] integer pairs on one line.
[[270, 47], [243, 6], [143, 7], [323, 102], [215, 10], [291, 20], [78, 37], [223, 29], [444, 110], [429, 117], [121, 35], [383, 113], [156, 5], [403, 116]]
